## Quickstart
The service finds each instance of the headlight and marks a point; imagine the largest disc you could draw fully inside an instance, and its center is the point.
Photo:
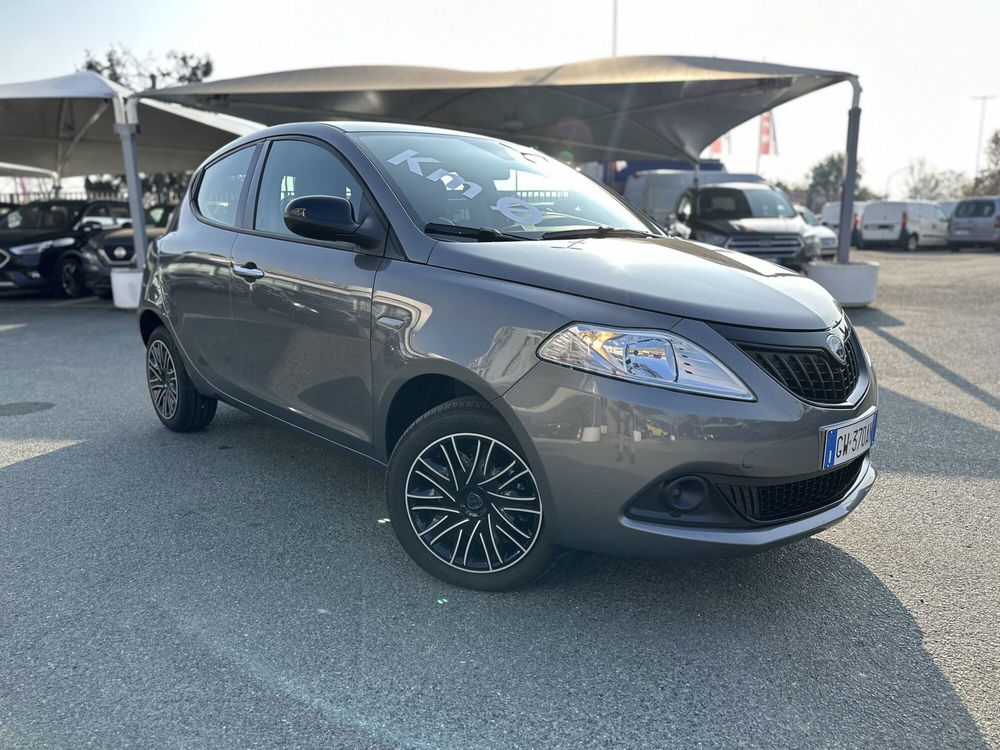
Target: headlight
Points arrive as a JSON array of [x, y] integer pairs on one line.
[[813, 245], [33, 249], [711, 238], [649, 357], [828, 242], [36, 248]]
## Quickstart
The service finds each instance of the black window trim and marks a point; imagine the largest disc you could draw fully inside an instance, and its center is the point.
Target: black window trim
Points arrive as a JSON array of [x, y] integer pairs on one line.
[[196, 188], [249, 214]]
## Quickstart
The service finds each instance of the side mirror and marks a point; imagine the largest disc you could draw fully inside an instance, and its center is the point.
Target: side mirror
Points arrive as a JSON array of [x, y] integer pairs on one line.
[[322, 217], [683, 218]]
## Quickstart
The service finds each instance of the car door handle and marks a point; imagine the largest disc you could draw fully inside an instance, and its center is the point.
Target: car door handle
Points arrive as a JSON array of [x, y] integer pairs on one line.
[[248, 271]]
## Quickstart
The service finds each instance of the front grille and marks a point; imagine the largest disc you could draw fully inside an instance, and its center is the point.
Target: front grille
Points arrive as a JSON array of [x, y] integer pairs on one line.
[[770, 503], [812, 374], [109, 253], [775, 244]]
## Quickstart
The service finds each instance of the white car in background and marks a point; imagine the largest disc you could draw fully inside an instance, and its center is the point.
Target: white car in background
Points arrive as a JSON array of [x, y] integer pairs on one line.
[[829, 216], [827, 237], [904, 224]]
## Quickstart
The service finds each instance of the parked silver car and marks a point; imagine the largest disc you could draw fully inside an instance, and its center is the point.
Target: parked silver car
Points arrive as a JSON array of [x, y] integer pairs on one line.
[[975, 221], [535, 363]]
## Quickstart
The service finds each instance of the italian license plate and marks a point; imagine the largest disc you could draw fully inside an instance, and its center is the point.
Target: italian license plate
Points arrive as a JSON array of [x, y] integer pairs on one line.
[[842, 442]]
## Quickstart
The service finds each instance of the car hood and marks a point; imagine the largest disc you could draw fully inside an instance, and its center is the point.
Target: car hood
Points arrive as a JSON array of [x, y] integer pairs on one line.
[[15, 237], [665, 275], [756, 226], [127, 236]]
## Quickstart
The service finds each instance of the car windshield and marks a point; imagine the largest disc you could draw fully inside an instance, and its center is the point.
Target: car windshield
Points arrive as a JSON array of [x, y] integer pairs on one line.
[[482, 183], [159, 215], [42, 216], [974, 209], [732, 203], [809, 217]]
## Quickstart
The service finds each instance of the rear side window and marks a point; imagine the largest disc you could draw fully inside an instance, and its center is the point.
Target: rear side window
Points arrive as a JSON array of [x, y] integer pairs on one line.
[[221, 185], [974, 209], [294, 169]]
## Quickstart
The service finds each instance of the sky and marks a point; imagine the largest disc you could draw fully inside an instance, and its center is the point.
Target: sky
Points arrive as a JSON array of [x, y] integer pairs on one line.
[[920, 62]]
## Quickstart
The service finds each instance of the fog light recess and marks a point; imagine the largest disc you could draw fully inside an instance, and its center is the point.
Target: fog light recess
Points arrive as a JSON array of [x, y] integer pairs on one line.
[[684, 494]]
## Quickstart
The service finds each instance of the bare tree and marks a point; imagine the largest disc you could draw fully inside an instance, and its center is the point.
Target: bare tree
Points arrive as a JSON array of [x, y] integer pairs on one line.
[[988, 180], [923, 182], [123, 66]]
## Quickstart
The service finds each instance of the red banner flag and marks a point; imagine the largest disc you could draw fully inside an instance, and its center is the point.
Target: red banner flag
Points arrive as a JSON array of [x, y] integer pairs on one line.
[[768, 141]]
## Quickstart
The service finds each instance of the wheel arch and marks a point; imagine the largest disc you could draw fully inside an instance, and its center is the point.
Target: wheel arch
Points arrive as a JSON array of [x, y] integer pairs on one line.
[[149, 321], [415, 392]]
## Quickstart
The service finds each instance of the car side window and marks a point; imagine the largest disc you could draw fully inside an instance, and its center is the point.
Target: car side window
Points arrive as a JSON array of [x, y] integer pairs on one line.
[[221, 185], [294, 169], [99, 210]]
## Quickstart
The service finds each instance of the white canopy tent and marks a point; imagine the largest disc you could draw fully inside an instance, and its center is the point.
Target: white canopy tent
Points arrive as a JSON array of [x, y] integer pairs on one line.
[[22, 170], [83, 123], [642, 107]]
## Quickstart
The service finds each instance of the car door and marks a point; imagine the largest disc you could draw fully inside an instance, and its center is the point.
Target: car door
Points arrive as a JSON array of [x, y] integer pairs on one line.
[[301, 308], [941, 223], [193, 269]]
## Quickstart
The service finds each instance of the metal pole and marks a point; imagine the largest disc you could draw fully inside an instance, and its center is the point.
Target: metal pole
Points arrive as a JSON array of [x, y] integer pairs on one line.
[[614, 28], [127, 126], [850, 175], [979, 140]]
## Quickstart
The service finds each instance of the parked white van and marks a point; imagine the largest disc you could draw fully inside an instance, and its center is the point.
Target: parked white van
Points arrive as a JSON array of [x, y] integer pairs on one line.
[[905, 224], [655, 192], [830, 216]]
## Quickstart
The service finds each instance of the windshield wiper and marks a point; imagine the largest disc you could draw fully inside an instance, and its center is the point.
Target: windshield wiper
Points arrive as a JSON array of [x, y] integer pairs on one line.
[[583, 232], [480, 234]]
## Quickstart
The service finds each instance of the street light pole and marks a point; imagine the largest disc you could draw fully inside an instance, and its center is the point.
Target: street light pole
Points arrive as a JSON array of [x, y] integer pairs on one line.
[[982, 119], [889, 179]]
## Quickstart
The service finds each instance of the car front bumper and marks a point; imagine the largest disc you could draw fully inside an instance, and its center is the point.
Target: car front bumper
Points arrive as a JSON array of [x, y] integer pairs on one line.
[[601, 443]]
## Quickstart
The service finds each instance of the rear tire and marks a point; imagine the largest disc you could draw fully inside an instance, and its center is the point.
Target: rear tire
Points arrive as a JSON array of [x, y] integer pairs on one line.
[[463, 501], [175, 400]]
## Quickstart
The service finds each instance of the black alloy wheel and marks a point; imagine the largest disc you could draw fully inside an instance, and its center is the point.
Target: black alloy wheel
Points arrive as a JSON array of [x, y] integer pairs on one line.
[[69, 281], [161, 374], [177, 402], [464, 501]]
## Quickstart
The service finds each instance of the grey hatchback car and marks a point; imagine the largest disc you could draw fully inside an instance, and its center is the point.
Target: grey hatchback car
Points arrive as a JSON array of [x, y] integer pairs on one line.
[[536, 364]]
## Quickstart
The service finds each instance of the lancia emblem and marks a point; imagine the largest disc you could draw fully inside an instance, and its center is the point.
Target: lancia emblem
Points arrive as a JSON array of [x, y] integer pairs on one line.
[[837, 348]]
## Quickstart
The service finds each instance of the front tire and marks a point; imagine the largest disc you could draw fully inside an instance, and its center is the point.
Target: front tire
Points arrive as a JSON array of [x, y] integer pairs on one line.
[[464, 502], [912, 243], [67, 276], [176, 401]]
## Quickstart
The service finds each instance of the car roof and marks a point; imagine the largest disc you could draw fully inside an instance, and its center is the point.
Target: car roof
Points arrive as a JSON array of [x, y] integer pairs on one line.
[[739, 186]]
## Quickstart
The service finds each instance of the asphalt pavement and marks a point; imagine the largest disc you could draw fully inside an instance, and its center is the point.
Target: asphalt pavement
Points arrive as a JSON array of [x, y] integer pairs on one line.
[[241, 588]]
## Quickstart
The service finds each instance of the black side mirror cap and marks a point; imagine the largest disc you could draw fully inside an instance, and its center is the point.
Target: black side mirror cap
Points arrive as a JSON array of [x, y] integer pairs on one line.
[[327, 217]]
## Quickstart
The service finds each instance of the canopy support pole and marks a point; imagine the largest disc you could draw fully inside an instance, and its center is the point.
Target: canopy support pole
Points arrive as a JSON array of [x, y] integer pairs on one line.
[[127, 126], [850, 175]]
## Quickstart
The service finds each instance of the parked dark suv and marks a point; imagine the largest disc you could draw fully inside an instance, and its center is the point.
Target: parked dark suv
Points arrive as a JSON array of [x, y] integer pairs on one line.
[[41, 243], [750, 217], [115, 249], [535, 362]]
